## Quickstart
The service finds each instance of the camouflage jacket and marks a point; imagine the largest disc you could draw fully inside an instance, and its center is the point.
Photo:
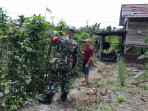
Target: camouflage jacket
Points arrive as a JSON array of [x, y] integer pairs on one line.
[[68, 48]]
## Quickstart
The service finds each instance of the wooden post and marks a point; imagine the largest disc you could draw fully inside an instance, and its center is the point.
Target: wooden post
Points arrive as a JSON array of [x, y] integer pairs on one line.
[[101, 47], [122, 46]]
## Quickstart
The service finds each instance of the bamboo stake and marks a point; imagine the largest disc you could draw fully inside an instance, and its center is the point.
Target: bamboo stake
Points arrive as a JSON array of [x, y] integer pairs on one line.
[[4, 87], [13, 68]]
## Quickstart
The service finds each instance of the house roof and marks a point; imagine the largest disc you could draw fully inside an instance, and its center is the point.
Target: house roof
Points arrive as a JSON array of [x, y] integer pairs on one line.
[[133, 11]]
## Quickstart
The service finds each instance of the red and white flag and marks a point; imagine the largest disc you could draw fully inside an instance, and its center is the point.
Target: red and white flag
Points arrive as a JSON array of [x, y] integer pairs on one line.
[[47, 9]]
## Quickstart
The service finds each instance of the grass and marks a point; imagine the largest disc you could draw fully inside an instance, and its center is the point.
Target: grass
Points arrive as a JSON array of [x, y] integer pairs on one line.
[[104, 107], [122, 72], [143, 76], [110, 81], [72, 83], [144, 86], [121, 98], [130, 73], [79, 107], [128, 89]]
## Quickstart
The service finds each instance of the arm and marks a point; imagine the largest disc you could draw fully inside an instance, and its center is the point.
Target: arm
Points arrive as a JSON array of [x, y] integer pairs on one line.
[[54, 39], [82, 52], [89, 61], [90, 58]]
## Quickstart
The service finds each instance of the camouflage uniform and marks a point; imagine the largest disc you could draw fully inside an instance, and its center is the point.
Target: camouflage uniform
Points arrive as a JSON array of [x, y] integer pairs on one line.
[[68, 48]]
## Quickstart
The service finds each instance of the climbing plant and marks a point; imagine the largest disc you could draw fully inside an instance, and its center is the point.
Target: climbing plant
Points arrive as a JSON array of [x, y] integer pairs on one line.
[[22, 64], [24, 57]]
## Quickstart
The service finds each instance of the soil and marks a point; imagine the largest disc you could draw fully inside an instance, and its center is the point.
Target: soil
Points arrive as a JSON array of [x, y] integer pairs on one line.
[[100, 94]]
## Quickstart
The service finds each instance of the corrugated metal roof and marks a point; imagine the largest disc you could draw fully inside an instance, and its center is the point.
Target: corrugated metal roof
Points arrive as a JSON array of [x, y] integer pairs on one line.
[[138, 10], [133, 11]]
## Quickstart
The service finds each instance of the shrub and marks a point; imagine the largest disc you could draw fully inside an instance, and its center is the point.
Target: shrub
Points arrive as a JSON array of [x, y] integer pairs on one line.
[[121, 98], [144, 86]]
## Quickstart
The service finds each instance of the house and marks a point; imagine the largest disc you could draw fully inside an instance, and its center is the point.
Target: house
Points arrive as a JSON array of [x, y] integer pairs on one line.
[[134, 19]]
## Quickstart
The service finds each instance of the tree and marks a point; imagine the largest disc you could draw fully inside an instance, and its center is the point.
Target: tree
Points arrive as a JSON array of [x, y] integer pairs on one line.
[[61, 27], [109, 28]]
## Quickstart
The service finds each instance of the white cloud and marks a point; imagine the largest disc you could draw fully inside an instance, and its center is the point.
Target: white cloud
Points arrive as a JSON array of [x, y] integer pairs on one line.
[[74, 12]]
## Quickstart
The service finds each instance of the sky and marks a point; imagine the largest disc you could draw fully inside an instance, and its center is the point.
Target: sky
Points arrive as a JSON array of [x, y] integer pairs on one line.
[[74, 12]]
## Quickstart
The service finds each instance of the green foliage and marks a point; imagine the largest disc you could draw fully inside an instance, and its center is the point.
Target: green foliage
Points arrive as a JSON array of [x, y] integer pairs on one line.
[[25, 62], [61, 27], [104, 107], [122, 72], [145, 54], [143, 76], [121, 98], [80, 108], [116, 43], [91, 29], [130, 73], [11, 103], [144, 86], [109, 29], [110, 81], [72, 83], [3, 21], [24, 69]]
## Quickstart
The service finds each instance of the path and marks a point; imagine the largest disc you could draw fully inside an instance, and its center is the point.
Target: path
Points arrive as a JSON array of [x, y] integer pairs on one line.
[[102, 77]]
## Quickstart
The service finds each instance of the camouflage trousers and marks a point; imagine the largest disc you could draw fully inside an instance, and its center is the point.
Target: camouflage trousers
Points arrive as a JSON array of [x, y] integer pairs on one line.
[[63, 77]]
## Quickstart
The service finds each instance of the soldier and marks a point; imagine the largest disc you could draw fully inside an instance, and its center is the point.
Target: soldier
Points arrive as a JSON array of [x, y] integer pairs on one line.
[[68, 50]]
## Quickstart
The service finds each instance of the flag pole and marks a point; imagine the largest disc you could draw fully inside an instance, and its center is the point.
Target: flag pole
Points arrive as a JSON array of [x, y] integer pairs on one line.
[[52, 17]]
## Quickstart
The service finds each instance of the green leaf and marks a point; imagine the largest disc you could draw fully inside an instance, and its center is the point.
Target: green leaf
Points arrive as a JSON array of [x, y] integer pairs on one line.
[[13, 107], [3, 104], [29, 49], [141, 57], [28, 81]]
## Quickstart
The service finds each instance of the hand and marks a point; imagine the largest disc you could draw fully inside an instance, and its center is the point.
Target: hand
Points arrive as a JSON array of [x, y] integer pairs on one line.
[[54, 33], [73, 68], [86, 66], [80, 48]]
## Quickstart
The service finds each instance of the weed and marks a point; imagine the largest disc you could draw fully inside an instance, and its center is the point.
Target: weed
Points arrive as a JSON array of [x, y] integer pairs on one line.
[[130, 73], [72, 83], [95, 82], [122, 89], [143, 76], [121, 98], [144, 86], [104, 107], [122, 72], [80, 108], [110, 81], [101, 85], [91, 109]]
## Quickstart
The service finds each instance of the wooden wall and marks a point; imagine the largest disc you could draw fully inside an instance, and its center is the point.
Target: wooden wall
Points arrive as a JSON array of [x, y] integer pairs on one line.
[[137, 32], [133, 58]]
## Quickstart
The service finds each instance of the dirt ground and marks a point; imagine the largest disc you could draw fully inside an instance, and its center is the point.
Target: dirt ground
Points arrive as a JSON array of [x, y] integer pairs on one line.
[[100, 94]]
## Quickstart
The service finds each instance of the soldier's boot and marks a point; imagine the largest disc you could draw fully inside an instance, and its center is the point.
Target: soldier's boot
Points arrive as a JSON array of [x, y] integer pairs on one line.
[[46, 100], [64, 96]]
